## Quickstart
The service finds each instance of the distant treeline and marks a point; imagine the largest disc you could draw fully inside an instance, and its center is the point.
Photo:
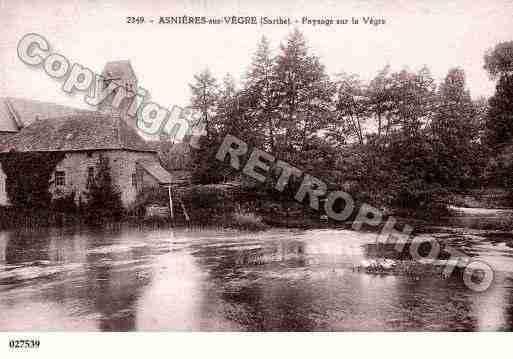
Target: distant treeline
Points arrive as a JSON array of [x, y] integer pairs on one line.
[[400, 139]]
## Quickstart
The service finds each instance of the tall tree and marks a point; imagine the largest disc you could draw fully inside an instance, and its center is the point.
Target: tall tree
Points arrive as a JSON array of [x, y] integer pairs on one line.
[[500, 114], [499, 65], [499, 60], [234, 113], [380, 102], [413, 96], [455, 130], [352, 109], [259, 87], [304, 94], [204, 97], [226, 96]]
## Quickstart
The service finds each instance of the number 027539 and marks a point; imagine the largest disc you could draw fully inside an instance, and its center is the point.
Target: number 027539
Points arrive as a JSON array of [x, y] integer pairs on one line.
[[24, 343]]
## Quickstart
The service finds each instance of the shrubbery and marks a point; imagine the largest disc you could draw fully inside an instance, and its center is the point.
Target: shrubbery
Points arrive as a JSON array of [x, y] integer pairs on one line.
[[103, 199], [248, 222], [29, 178]]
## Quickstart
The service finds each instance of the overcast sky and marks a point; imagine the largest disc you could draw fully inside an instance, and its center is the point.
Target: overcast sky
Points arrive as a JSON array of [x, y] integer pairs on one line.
[[439, 34]]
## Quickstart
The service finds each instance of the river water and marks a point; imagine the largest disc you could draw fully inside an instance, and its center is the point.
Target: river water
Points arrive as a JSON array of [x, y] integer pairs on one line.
[[127, 278]]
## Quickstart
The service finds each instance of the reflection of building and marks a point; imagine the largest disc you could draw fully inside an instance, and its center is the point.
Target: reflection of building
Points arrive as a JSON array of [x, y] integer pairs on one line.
[[114, 292], [3, 246]]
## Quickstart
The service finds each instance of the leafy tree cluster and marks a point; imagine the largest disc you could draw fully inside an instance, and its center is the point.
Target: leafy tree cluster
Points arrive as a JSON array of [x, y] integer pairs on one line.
[[402, 138], [282, 105]]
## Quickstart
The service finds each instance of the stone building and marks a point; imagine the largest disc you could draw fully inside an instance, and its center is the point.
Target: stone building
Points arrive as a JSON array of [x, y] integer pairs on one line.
[[83, 138], [17, 113]]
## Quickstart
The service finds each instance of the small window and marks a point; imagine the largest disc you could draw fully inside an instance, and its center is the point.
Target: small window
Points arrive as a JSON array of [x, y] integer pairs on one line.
[[134, 179], [60, 178], [90, 174]]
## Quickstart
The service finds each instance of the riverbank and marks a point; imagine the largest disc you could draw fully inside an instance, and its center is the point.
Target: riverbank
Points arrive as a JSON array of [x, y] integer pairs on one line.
[[232, 206], [491, 198]]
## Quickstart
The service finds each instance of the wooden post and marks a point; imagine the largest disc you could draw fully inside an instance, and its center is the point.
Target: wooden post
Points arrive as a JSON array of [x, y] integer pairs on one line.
[[170, 202]]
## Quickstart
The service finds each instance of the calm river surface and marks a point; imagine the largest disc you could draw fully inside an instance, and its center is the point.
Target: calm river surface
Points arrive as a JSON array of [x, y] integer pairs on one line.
[[185, 279]]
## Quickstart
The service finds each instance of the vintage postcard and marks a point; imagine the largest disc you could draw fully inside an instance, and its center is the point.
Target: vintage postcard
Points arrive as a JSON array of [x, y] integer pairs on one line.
[[272, 166]]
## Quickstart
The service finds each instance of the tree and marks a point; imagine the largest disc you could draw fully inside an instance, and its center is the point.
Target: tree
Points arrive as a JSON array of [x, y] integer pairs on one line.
[[352, 109], [103, 199], [499, 60], [499, 65], [455, 131], [304, 93], [204, 97], [380, 102], [259, 89], [412, 97], [500, 114]]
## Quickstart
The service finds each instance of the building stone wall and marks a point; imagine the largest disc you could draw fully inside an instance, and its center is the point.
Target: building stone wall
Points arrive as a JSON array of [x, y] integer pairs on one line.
[[4, 200], [75, 165]]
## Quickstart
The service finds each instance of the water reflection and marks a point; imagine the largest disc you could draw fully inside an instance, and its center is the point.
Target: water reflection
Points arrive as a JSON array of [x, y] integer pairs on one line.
[[125, 279]]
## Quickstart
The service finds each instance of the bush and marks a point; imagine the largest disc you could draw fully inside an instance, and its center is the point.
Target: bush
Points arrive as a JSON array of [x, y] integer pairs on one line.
[[103, 199], [153, 195], [29, 178], [419, 199], [65, 204], [248, 222], [214, 197]]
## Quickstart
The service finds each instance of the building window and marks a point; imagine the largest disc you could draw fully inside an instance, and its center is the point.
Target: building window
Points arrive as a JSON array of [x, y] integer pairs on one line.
[[90, 175], [60, 178], [134, 179]]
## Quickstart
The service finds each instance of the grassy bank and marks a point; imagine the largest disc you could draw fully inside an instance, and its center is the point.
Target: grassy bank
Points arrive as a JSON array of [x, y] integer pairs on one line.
[[483, 198], [228, 206]]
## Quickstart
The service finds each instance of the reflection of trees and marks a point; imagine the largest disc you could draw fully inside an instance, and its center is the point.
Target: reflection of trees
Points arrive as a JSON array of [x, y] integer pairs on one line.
[[277, 305], [260, 305], [27, 246], [389, 250], [4, 239], [431, 303], [83, 279]]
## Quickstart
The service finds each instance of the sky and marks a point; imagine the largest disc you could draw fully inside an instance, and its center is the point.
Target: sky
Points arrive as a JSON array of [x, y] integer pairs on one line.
[[439, 34]]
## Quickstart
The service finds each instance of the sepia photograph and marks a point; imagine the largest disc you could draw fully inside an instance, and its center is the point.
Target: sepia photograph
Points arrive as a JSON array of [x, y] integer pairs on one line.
[[273, 166]]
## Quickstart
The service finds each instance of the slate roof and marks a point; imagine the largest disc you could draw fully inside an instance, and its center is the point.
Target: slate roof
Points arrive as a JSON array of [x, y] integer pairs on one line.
[[156, 171], [79, 132], [7, 119], [16, 113], [121, 69]]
